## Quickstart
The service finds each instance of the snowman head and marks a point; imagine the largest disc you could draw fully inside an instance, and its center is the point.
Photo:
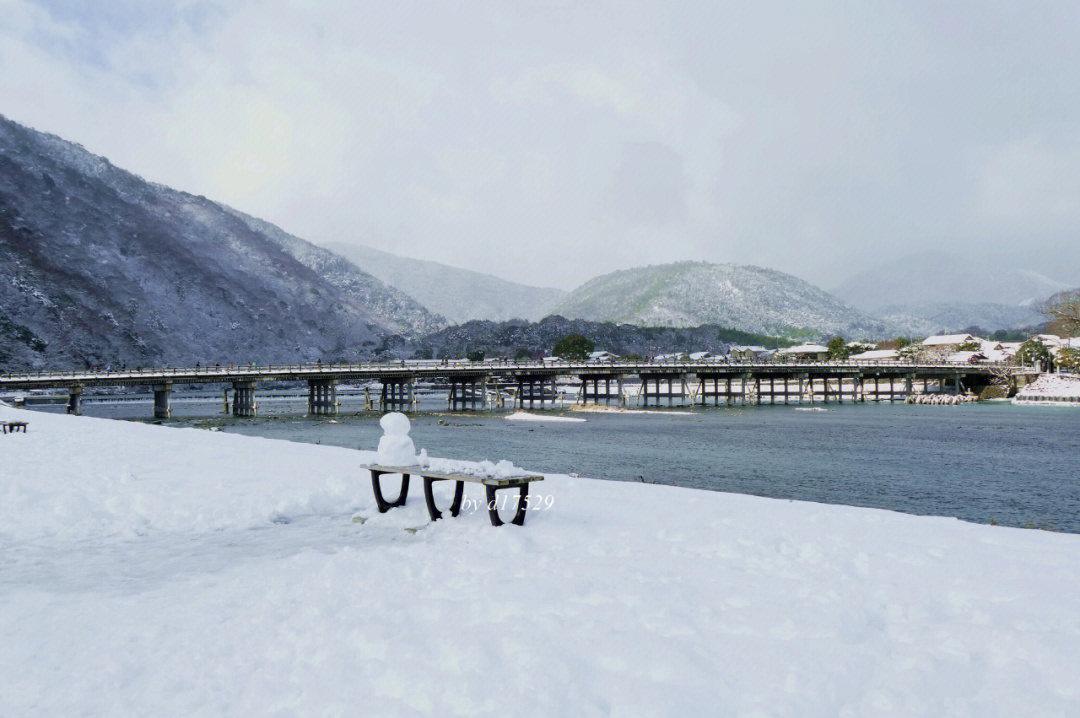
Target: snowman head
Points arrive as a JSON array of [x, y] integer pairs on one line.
[[395, 424]]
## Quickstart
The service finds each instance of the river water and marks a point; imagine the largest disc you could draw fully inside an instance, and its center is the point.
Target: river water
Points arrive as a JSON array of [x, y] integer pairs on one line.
[[1014, 465]]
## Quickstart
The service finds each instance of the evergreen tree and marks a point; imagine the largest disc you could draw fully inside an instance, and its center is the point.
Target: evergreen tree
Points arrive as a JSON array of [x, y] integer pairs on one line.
[[573, 347]]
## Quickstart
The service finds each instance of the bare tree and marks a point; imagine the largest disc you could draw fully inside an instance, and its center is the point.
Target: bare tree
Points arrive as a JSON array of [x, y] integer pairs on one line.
[[1064, 311], [1001, 376]]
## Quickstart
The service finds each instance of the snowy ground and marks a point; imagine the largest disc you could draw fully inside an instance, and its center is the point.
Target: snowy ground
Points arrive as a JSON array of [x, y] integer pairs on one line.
[[526, 416], [159, 571]]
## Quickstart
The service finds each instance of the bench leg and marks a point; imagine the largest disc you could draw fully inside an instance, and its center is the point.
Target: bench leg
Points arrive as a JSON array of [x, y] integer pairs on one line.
[[382, 503], [429, 498], [459, 492], [493, 506]]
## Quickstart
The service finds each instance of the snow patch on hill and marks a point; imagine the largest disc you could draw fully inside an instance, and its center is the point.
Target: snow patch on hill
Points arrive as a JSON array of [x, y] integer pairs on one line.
[[687, 294]]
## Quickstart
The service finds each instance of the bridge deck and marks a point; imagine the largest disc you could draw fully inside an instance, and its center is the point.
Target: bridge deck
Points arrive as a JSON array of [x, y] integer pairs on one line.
[[365, 372]]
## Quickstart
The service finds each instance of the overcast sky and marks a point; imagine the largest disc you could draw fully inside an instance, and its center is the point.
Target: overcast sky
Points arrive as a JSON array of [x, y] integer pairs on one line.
[[553, 141]]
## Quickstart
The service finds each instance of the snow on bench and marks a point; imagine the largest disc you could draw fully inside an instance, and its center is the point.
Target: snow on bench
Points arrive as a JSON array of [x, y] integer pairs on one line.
[[397, 455], [491, 485]]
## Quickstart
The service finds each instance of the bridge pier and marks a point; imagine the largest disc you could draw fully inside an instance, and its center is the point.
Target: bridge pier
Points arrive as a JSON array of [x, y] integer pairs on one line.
[[243, 401], [322, 397], [658, 382], [532, 388], [396, 395], [597, 394], [704, 392], [74, 400], [162, 392], [467, 393]]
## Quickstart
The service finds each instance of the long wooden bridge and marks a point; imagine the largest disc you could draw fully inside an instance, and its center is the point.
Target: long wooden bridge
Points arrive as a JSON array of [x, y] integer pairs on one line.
[[533, 383]]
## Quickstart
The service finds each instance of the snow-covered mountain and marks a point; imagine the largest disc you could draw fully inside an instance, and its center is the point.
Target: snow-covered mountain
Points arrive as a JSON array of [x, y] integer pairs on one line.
[[944, 278], [688, 294], [933, 292], [949, 317], [460, 295], [98, 266]]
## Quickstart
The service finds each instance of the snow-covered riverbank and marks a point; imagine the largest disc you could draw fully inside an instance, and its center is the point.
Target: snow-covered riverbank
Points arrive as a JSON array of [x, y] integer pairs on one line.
[[158, 571], [1052, 389]]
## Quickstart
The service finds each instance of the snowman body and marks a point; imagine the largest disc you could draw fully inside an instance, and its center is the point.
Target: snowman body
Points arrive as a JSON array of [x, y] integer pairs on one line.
[[395, 446]]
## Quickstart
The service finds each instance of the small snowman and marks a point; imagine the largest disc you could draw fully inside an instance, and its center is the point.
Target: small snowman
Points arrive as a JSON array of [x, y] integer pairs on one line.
[[395, 446]]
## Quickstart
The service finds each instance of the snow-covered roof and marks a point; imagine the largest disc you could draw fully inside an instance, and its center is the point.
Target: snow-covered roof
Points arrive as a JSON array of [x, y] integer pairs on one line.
[[805, 349], [602, 355], [698, 356], [877, 355], [747, 348], [964, 357], [942, 340], [1050, 340], [992, 356]]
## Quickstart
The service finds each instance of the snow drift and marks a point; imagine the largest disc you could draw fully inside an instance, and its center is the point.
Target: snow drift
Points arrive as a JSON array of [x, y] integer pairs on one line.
[[156, 571]]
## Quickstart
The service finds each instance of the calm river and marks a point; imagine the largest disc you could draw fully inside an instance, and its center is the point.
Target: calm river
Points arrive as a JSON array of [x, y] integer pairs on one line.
[[1018, 466]]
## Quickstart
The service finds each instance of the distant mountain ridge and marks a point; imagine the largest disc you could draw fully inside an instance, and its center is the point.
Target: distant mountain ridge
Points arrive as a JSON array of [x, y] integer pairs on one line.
[[949, 317], [944, 278], [101, 267], [458, 294], [748, 298]]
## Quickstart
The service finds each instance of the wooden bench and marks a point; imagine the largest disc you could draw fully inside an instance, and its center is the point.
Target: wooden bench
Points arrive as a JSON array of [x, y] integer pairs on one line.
[[13, 426], [491, 486]]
